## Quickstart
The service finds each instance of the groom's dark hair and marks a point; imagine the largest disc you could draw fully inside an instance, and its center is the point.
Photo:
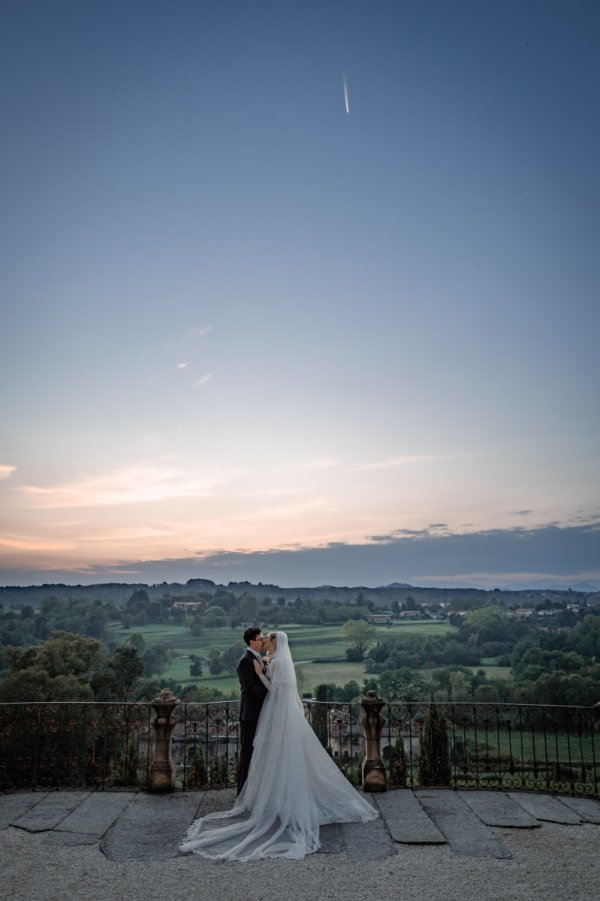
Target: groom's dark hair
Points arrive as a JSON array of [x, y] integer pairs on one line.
[[251, 633]]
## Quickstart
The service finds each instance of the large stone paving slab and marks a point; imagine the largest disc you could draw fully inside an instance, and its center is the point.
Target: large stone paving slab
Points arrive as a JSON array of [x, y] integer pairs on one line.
[[406, 819], [151, 827], [367, 841], [587, 809], [96, 814], [331, 839], [497, 809], [14, 806], [546, 807], [144, 826], [464, 831], [70, 839], [51, 810]]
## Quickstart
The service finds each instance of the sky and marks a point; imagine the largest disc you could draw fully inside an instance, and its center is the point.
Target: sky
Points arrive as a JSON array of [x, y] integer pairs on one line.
[[300, 291]]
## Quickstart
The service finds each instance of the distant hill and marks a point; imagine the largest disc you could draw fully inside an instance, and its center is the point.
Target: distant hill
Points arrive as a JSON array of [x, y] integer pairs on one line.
[[383, 596]]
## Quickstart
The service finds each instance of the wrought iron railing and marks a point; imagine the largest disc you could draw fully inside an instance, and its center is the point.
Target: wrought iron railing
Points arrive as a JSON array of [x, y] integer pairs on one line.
[[474, 745], [205, 745], [497, 746], [205, 741], [72, 744]]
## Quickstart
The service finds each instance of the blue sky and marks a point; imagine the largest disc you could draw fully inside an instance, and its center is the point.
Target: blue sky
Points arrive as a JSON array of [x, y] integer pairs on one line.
[[248, 334]]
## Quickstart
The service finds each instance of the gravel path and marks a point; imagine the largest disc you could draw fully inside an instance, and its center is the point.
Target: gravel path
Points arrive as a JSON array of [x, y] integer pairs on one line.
[[555, 863], [552, 862]]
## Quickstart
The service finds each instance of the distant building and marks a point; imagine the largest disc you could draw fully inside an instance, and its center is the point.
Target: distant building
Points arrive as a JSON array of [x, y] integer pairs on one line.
[[411, 614], [188, 606], [380, 619], [522, 612]]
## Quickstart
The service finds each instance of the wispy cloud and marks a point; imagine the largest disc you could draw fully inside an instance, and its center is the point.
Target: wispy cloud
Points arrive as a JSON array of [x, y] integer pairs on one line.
[[142, 533], [6, 471], [182, 365], [405, 460], [317, 463], [203, 381], [586, 517], [326, 462], [31, 543], [274, 492], [140, 483], [396, 534], [183, 341], [191, 334]]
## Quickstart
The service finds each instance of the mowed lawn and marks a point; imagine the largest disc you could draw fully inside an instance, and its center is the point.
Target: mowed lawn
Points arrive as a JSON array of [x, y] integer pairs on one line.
[[319, 651], [495, 672], [312, 674]]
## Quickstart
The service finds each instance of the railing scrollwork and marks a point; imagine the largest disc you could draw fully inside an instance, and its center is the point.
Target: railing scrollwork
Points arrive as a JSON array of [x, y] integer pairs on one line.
[[167, 745]]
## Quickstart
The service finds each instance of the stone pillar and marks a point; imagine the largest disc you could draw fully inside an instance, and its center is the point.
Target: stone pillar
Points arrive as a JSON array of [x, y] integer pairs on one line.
[[162, 771], [373, 770]]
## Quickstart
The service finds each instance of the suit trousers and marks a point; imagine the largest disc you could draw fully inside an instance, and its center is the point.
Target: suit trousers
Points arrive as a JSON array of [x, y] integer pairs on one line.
[[247, 733]]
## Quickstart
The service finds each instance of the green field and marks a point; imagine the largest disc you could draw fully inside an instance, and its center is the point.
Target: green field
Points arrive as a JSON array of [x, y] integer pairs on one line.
[[495, 672], [313, 674], [319, 651]]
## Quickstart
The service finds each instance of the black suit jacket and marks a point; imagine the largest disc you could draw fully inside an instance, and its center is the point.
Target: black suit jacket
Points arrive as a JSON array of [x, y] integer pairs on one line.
[[252, 691]]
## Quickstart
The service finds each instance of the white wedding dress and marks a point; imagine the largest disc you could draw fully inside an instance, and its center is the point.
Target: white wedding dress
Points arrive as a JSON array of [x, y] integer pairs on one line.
[[293, 786]]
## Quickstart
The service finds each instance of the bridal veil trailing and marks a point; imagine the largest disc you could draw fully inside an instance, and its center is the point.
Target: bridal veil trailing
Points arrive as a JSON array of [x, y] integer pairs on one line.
[[293, 786]]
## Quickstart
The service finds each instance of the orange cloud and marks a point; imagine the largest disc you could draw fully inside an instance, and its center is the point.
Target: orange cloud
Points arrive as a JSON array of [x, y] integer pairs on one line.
[[142, 483], [27, 543]]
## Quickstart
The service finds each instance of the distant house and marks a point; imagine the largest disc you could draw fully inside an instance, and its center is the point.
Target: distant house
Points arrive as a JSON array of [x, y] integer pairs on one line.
[[188, 606], [380, 619], [411, 614], [522, 612]]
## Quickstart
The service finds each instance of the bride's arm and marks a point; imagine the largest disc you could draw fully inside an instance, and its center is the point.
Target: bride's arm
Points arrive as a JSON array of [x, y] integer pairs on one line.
[[258, 670]]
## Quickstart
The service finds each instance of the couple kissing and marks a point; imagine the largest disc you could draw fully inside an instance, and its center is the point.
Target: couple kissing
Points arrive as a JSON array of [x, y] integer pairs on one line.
[[288, 784]]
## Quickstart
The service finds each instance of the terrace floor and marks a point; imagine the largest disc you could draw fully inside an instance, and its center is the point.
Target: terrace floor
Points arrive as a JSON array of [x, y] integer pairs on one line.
[[427, 844]]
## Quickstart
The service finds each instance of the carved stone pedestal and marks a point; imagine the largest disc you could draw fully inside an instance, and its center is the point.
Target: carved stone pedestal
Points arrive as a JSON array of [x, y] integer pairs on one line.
[[373, 770], [162, 771]]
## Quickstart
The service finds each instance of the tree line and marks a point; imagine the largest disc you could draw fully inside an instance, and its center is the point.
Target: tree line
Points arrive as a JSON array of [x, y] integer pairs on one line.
[[63, 650]]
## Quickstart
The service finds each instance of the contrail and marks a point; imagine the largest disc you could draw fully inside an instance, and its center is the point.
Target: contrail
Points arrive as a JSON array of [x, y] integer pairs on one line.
[[346, 100]]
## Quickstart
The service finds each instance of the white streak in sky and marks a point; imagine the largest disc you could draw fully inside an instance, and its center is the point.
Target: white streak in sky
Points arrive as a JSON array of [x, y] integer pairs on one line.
[[205, 378], [191, 334], [346, 99]]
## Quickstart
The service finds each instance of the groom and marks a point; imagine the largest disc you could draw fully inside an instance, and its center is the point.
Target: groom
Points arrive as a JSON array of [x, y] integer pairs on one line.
[[252, 695]]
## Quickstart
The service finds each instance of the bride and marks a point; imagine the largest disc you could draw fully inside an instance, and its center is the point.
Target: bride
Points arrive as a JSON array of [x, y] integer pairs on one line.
[[293, 786]]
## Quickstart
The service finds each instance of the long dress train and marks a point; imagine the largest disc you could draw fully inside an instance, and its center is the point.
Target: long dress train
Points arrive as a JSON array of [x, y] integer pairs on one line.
[[293, 786]]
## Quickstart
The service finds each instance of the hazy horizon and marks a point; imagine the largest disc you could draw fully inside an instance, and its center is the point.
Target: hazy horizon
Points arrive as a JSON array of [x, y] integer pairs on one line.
[[426, 560]]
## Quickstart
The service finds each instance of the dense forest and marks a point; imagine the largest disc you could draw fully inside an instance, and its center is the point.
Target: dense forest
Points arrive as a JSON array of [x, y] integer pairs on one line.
[[57, 644]]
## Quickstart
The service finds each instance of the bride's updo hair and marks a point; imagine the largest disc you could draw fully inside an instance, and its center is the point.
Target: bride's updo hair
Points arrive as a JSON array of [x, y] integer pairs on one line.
[[272, 636]]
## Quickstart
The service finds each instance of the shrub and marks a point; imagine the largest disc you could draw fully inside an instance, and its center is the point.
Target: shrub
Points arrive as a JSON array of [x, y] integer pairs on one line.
[[434, 765]]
